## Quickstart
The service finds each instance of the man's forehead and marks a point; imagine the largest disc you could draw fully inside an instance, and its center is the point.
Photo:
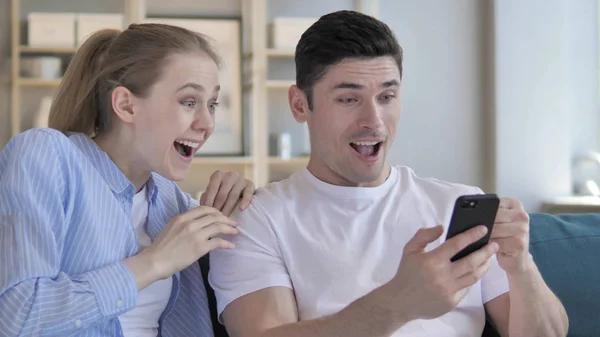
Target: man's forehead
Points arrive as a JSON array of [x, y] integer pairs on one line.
[[379, 70]]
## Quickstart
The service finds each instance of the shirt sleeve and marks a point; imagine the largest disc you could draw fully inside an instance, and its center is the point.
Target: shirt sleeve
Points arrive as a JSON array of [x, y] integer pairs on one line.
[[36, 297], [254, 264], [495, 282]]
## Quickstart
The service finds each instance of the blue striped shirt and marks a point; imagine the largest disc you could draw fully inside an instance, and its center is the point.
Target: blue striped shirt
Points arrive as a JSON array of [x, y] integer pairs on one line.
[[65, 227]]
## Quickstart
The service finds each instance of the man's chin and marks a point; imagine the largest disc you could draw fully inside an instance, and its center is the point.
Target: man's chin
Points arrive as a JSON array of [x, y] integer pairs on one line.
[[369, 175]]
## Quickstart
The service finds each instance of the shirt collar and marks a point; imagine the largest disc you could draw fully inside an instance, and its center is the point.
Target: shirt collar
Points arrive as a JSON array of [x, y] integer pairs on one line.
[[114, 177]]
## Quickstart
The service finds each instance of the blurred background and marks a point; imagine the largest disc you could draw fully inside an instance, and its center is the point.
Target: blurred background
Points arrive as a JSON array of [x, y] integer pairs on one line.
[[502, 94]]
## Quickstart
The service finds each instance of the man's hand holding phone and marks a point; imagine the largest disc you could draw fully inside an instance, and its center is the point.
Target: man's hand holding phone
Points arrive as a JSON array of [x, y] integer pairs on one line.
[[428, 284], [511, 233]]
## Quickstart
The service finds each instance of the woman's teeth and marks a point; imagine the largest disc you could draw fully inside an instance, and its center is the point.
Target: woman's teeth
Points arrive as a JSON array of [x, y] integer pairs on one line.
[[193, 145]]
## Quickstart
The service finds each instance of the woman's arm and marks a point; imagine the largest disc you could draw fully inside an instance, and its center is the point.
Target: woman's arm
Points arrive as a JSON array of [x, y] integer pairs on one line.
[[35, 297]]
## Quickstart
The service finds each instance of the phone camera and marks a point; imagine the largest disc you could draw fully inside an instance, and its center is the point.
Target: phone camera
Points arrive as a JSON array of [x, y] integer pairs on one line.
[[469, 204]]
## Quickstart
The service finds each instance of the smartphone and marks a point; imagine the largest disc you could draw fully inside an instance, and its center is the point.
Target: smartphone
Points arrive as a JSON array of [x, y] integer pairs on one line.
[[470, 211]]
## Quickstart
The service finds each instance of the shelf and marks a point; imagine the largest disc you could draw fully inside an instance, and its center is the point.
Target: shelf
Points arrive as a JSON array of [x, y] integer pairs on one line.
[[235, 160], [37, 82], [47, 50], [274, 84], [301, 160], [281, 52]]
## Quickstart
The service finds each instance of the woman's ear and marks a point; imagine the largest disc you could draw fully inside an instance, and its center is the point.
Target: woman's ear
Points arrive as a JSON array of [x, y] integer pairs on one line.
[[298, 104], [122, 104]]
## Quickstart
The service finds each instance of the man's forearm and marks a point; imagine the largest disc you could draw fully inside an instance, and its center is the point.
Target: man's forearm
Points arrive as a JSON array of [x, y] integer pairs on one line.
[[371, 315], [534, 309]]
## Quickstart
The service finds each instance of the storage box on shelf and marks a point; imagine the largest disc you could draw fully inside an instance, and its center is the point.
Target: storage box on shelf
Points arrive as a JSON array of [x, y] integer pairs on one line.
[[51, 29], [88, 23], [286, 31]]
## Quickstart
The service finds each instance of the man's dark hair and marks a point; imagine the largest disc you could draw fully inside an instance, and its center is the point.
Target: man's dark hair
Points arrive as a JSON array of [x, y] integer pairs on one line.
[[337, 36]]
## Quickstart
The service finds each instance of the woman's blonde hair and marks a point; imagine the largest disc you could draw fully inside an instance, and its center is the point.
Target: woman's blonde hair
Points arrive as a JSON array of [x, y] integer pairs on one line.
[[133, 58]]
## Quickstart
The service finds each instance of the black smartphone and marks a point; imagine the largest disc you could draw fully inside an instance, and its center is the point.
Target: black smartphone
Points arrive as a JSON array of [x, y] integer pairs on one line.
[[470, 211]]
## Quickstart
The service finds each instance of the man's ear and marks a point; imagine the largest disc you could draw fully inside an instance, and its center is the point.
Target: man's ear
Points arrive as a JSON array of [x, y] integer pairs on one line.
[[298, 104], [122, 104]]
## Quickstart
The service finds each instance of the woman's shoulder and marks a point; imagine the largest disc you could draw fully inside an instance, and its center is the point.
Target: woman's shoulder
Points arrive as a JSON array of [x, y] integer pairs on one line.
[[38, 139], [37, 149]]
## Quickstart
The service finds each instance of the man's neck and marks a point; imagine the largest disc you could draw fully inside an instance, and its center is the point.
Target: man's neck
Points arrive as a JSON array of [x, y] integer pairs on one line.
[[334, 178]]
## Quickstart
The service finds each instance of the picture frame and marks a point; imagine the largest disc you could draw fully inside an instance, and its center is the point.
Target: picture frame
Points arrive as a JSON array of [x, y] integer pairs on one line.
[[225, 35]]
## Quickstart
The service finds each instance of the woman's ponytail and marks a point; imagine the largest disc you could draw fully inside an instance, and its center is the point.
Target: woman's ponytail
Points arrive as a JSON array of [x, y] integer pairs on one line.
[[77, 104]]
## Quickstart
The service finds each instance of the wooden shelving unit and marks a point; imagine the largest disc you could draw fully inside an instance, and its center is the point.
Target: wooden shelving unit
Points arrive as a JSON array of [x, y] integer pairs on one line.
[[222, 160], [256, 165], [280, 52], [279, 84], [34, 82], [47, 50]]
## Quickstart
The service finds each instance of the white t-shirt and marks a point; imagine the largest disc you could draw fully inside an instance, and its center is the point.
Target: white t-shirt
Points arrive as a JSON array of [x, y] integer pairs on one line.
[[142, 321], [334, 244]]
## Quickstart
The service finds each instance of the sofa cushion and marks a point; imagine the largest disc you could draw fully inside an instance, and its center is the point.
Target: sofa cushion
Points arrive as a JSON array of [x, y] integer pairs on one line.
[[566, 249]]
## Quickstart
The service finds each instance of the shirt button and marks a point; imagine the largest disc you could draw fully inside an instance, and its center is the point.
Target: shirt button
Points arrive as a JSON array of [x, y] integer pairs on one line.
[[78, 323], [119, 303]]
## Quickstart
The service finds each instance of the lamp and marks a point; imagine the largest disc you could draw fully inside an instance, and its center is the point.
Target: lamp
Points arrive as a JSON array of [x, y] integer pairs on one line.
[[584, 183]]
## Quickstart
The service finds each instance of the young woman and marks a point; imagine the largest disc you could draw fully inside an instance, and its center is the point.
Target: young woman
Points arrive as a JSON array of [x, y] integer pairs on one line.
[[96, 239]]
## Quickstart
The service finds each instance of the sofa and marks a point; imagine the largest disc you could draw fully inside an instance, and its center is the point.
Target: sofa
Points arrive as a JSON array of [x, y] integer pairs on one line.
[[566, 249]]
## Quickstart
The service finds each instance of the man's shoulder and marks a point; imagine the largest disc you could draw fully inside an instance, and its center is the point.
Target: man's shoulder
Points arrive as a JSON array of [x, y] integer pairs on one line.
[[434, 190], [271, 202], [278, 193]]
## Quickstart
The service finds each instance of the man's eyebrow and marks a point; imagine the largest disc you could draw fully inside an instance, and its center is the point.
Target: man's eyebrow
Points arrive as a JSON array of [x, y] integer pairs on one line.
[[350, 85], [391, 83]]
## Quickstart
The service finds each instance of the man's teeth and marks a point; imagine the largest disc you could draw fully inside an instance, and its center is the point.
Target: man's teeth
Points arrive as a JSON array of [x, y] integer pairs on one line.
[[365, 143], [188, 143]]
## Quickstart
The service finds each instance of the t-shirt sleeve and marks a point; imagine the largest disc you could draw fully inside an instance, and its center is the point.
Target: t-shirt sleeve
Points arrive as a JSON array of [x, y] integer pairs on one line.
[[254, 264], [495, 282]]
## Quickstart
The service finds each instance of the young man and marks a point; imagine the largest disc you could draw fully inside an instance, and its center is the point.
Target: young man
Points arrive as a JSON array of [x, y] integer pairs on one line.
[[352, 246]]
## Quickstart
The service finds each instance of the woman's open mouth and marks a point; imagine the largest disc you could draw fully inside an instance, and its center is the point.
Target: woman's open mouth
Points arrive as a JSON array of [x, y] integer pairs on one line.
[[185, 147]]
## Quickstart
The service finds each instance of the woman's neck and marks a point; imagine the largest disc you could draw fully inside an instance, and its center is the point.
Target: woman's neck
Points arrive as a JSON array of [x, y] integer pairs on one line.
[[120, 152]]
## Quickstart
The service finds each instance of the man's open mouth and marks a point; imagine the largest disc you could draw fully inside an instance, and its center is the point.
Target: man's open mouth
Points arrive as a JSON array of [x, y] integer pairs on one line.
[[366, 149], [185, 147]]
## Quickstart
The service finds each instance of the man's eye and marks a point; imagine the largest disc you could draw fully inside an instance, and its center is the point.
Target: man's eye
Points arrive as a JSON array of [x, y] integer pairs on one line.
[[387, 98]]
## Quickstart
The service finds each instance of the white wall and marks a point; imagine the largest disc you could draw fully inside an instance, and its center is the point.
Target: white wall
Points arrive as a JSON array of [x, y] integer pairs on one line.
[[546, 94], [582, 51], [440, 133]]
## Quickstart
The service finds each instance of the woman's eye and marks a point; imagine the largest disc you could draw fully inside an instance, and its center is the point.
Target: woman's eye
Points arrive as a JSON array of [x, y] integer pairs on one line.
[[214, 105], [189, 104]]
